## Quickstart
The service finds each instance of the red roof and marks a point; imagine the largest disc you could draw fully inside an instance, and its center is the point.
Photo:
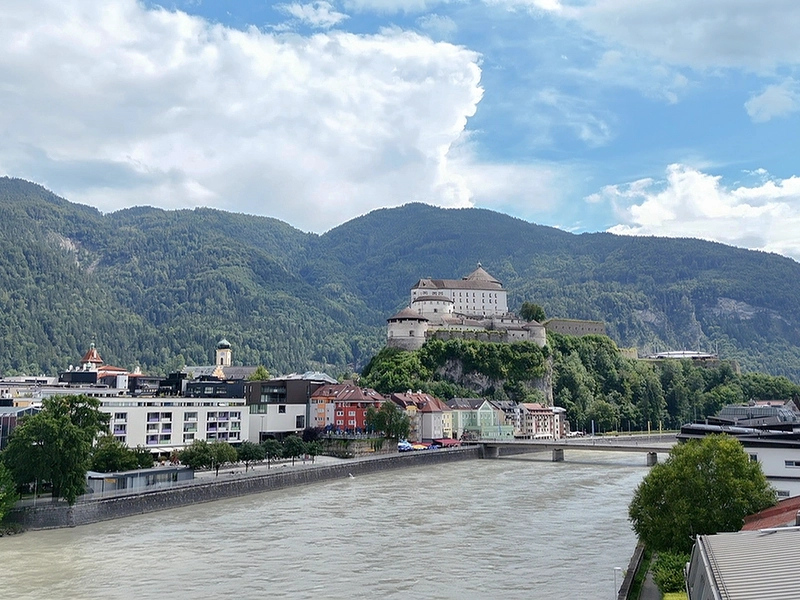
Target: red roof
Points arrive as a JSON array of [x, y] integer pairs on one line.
[[783, 514], [92, 356]]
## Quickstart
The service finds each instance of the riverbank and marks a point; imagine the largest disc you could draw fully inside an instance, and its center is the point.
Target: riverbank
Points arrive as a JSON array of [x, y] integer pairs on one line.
[[53, 515]]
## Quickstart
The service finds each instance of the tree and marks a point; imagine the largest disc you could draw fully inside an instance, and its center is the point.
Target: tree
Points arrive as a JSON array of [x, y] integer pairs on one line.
[[8, 491], [222, 453], [532, 312], [272, 449], [293, 446], [144, 460], [704, 487], [313, 449], [249, 452], [196, 456], [260, 374], [390, 419], [109, 454], [55, 444]]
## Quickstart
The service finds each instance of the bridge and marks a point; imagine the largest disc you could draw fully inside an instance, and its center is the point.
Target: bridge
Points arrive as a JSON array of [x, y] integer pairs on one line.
[[651, 445]]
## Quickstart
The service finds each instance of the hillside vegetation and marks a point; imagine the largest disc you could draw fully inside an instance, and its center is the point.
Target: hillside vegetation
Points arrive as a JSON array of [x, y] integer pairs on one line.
[[158, 288], [589, 377]]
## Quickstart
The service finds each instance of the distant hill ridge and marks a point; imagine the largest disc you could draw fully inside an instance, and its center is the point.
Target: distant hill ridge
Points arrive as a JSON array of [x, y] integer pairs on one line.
[[158, 288]]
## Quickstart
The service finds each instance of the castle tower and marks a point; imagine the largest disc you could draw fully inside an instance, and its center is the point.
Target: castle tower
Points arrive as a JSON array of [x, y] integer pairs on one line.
[[224, 354], [406, 330]]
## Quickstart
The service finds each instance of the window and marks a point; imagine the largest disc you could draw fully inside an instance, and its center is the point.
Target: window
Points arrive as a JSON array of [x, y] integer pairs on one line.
[[351, 413], [753, 457], [120, 416], [411, 333], [167, 416], [282, 409], [783, 493], [792, 463], [190, 416], [299, 421]]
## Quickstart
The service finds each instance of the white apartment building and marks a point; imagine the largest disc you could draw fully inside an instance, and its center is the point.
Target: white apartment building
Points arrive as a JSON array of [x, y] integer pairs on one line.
[[167, 424]]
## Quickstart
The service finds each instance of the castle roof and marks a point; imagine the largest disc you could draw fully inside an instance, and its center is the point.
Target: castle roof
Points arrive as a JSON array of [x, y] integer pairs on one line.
[[407, 314], [432, 298], [480, 274]]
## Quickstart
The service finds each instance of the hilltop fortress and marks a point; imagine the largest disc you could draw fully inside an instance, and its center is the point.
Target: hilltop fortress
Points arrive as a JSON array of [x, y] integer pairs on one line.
[[474, 307]]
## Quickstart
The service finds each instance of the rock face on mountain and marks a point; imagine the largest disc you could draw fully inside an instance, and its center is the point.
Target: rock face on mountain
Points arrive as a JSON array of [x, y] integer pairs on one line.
[[156, 288]]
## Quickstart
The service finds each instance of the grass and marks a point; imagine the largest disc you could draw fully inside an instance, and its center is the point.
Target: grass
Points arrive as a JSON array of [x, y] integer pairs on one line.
[[676, 596], [636, 585]]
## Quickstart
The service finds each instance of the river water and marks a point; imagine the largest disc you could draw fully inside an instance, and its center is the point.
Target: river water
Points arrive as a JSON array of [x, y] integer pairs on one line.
[[517, 527]]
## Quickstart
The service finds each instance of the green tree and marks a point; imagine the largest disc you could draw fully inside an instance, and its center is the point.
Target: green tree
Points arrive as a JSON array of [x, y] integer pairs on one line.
[[389, 419], [704, 487], [272, 450], [55, 445], [313, 449], [144, 460], [293, 446], [249, 452], [260, 374], [8, 491], [532, 312], [222, 453], [196, 456], [109, 454]]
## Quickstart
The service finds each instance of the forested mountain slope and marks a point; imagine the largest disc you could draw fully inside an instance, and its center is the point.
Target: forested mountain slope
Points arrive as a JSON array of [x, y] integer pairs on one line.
[[158, 288]]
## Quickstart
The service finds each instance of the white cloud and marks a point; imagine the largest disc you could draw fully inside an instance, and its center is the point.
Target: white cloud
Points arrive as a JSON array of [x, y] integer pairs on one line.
[[114, 104], [320, 15], [438, 26], [757, 35], [690, 203], [392, 6], [775, 101]]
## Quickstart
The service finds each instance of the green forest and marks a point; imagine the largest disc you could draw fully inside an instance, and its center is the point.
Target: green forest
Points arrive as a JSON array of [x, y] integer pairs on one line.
[[157, 289], [590, 379]]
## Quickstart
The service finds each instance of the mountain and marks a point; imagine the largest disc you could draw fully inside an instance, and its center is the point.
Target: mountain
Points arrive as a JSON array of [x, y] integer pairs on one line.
[[158, 288]]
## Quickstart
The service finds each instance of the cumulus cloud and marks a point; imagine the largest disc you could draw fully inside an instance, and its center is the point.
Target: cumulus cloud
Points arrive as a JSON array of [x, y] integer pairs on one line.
[[320, 15], [775, 101], [709, 34], [690, 203], [115, 104]]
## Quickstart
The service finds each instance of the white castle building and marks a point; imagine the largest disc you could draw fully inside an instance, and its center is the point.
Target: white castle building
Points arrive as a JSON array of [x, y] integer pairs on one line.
[[474, 307]]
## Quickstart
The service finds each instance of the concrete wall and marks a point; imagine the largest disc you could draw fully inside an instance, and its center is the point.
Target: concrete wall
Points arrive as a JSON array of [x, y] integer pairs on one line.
[[55, 515]]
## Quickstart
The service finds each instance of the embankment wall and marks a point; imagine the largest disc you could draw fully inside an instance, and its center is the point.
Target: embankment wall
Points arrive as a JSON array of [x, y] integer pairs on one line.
[[56, 515]]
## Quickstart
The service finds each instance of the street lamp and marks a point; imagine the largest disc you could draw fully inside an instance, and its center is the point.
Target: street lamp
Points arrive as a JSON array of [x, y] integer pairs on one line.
[[616, 589], [261, 431]]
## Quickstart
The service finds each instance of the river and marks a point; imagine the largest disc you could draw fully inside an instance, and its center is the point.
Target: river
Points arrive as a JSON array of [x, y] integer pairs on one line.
[[517, 527]]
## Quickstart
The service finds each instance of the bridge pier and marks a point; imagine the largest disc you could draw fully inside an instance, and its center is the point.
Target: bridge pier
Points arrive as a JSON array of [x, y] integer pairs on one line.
[[558, 455], [490, 451], [652, 459]]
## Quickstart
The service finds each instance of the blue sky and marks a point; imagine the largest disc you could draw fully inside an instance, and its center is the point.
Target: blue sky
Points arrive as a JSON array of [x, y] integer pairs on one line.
[[639, 117]]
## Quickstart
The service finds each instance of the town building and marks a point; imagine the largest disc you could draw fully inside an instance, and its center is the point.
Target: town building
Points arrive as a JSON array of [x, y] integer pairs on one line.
[[475, 418], [281, 406], [744, 564], [542, 422], [430, 418], [777, 451], [343, 406]]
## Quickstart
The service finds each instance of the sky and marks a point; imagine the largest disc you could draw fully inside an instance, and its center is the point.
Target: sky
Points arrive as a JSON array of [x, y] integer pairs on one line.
[[672, 118]]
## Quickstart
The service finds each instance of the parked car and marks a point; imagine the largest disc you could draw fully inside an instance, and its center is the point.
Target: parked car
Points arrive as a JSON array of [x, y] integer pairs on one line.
[[404, 446]]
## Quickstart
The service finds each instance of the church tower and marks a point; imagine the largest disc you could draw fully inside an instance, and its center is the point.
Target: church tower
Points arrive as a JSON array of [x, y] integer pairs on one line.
[[224, 353]]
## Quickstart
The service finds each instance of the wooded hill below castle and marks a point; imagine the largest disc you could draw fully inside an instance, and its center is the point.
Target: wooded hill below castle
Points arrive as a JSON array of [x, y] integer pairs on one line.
[[157, 288]]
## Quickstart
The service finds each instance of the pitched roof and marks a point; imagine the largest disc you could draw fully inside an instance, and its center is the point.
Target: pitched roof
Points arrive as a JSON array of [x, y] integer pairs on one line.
[[783, 514], [347, 392], [480, 274], [465, 403], [92, 356]]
